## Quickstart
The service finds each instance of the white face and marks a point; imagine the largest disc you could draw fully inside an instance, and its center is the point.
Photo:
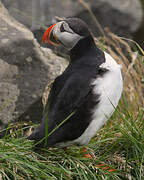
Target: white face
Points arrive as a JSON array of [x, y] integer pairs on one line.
[[67, 37]]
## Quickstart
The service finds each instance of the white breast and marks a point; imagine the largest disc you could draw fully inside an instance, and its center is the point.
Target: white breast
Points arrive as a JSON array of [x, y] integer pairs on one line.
[[110, 88]]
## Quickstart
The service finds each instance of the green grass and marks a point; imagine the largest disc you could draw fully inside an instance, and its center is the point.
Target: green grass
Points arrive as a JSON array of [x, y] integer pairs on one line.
[[119, 145]]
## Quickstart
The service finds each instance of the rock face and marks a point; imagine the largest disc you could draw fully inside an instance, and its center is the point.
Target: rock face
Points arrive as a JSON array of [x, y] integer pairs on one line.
[[118, 15], [25, 69], [9, 91]]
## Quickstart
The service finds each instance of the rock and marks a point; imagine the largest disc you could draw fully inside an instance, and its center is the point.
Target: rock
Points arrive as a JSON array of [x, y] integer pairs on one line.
[[8, 96], [118, 15], [25, 70], [9, 92]]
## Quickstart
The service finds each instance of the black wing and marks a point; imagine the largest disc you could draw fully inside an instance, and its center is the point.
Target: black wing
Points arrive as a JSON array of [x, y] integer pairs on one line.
[[73, 94]]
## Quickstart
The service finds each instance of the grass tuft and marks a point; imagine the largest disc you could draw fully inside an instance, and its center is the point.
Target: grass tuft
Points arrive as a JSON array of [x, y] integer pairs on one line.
[[117, 152]]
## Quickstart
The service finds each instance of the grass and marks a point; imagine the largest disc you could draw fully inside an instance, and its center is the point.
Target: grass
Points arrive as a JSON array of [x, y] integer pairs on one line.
[[117, 151]]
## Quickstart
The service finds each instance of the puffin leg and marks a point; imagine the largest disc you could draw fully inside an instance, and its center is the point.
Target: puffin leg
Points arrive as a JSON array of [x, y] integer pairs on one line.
[[104, 167], [87, 155]]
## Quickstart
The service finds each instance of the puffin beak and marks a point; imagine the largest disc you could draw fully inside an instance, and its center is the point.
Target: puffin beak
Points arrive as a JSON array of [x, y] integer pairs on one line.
[[50, 37]]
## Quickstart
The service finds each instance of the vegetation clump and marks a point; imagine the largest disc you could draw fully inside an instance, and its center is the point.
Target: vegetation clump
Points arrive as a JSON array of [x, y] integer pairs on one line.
[[117, 150]]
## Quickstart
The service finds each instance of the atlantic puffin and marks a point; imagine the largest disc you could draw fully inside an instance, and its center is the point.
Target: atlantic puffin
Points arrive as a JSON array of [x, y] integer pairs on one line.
[[85, 95]]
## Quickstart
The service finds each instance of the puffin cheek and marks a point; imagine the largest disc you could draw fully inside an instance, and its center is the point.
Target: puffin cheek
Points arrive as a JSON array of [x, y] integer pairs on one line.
[[69, 40]]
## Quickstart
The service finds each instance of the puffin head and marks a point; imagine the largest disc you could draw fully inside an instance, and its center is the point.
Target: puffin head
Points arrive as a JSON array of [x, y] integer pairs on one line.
[[67, 32]]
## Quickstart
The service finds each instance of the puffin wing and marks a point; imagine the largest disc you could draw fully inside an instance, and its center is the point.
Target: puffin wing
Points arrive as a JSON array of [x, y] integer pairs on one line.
[[66, 97]]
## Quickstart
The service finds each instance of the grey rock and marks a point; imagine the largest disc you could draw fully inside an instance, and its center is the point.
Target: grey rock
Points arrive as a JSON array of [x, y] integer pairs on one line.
[[9, 92], [8, 96], [25, 69], [7, 72], [121, 16]]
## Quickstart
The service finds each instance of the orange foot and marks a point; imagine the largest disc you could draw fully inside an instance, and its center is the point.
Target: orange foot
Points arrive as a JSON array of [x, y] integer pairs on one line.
[[105, 167], [100, 166], [87, 155]]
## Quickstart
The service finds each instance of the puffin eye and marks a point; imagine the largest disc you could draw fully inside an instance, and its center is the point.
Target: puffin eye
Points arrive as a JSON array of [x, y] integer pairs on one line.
[[62, 28]]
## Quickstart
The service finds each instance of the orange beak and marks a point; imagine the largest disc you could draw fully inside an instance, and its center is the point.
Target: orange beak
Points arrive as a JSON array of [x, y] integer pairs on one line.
[[49, 37]]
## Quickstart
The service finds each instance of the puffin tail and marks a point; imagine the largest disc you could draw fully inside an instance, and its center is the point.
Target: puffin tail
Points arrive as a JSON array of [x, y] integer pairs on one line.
[[32, 136], [36, 135]]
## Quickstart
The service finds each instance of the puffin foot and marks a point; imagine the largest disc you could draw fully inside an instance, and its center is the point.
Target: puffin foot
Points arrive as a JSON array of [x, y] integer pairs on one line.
[[106, 168], [88, 155]]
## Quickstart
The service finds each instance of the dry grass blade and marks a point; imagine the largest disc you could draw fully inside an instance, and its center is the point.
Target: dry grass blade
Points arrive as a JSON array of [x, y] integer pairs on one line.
[[132, 67], [46, 92], [86, 6]]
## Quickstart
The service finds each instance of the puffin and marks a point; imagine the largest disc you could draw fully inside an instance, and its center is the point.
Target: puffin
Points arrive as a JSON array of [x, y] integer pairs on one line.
[[85, 95]]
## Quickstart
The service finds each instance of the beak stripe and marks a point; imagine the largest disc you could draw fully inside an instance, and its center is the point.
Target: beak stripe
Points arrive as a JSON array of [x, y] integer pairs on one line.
[[47, 34]]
